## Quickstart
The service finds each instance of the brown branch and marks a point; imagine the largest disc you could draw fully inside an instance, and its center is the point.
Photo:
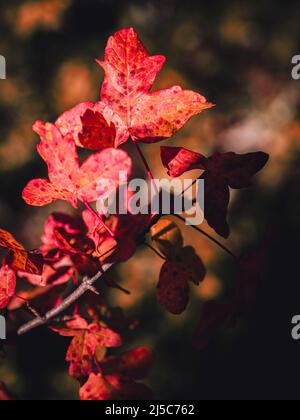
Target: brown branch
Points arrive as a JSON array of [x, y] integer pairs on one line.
[[85, 286]]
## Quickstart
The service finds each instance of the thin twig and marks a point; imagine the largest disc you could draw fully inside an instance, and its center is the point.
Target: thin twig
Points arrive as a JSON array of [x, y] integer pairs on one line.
[[209, 237], [144, 160], [155, 251], [85, 286], [190, 186]]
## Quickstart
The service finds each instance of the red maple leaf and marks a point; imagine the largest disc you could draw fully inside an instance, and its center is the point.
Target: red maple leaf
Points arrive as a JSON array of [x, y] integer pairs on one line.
[[68, 180], [221, 171], [126, 100], [7, 285], [87, 340]]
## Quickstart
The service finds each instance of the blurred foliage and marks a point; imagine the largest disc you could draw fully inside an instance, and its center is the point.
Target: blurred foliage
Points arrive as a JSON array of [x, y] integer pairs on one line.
[[238, 54]]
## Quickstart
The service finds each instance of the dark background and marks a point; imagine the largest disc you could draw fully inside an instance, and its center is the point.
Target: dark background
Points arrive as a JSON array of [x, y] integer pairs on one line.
[[238, 54]]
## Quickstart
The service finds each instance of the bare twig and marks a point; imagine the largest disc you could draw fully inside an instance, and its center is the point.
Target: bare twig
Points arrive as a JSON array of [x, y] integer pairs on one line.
[[85, 286]]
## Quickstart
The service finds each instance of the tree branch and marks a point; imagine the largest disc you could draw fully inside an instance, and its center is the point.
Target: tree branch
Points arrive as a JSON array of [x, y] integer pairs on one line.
[[85, 286]]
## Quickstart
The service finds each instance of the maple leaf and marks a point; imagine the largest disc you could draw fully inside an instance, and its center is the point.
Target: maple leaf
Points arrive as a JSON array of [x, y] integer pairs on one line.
[[18, 258], [67, 244], [113, 387], [118, 376], [182, 266], [68, 180], [173, 287], [83, 348], [126, 100], [70, 328], [135, 364], [221, 171], [7, 285]]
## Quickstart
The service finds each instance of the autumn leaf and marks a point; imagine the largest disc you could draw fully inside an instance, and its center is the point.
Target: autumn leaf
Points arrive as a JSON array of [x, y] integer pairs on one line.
[[7, 285], [126, 229], [70, 328], [178, 160], [173, 289], [18, 258], [135, 364], [82, 351], [68, 180], [112, 388], [221, 171], [126, 100], [118, 376], [182, 266]]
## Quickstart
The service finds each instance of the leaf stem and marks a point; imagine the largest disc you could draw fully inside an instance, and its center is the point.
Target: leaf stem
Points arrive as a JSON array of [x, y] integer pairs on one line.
[[148, 169], [99, 217], [190, 186], [209, 237], [155, 251]]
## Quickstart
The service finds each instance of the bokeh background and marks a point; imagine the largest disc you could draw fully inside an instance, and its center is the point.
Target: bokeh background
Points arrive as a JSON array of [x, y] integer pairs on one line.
[[238, 54]]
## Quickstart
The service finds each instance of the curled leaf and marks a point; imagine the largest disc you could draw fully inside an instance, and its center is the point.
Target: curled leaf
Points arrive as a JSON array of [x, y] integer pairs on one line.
[[18, 258]]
